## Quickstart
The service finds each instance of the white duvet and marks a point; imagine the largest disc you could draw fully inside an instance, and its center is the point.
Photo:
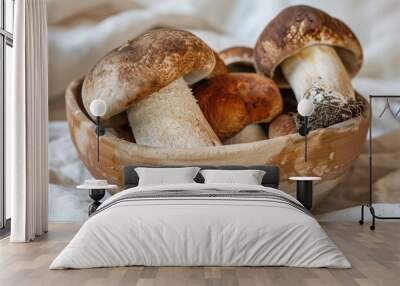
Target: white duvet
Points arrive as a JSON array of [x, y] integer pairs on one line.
[[192, 231]]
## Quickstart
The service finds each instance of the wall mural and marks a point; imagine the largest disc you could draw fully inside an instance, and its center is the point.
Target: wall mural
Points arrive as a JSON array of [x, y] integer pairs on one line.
[[173, 98]]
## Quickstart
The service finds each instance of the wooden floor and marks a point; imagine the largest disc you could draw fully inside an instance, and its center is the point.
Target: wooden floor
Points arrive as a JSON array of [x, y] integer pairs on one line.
[[375, 257]]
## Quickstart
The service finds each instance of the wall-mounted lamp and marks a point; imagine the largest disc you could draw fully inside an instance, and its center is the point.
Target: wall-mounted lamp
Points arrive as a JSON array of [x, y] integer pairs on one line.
[[305, 108], [98, 108]]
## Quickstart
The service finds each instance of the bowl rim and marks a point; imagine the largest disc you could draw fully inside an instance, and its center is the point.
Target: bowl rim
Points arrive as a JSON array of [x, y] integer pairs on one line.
[[199, 152]]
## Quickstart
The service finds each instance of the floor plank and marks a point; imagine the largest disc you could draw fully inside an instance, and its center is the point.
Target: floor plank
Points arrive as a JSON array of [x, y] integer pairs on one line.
[[375, 257]]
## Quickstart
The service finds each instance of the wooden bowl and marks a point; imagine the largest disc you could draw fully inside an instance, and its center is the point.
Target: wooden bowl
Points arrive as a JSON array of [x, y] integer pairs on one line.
[[331, 150]]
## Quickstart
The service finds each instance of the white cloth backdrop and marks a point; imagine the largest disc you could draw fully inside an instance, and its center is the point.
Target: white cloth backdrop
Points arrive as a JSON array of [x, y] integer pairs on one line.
[[27, 121]]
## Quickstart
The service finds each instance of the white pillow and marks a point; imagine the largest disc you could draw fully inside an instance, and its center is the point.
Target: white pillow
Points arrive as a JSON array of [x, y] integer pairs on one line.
[[165, 176], [248, 177]]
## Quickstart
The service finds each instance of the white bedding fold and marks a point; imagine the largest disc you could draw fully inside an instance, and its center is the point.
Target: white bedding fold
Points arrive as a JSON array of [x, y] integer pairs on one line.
[[200, 231]]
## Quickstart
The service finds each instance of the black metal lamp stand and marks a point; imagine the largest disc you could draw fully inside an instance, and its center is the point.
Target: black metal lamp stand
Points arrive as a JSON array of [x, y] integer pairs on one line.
[[304, 187], [304, 193], [96, 195], [369, 204], [303, 131], [100, 131]]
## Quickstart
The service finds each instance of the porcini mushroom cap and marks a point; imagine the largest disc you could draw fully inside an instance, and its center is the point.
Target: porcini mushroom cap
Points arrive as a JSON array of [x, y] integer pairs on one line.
[[237, 54], [298, 27], [282, 125], [144, 65], [238, 59], [219, 68], [232, 101]]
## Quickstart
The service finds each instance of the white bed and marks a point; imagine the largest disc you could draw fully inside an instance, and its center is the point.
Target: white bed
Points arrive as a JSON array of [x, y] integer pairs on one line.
[[251, 225]]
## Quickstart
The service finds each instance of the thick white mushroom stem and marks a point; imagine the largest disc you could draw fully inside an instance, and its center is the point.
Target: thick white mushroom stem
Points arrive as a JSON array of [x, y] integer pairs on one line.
[[251, 133], [317, 72], [171, 118]]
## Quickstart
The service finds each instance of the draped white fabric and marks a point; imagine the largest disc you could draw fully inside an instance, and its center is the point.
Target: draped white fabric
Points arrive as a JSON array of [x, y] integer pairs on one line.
[[27, 122]]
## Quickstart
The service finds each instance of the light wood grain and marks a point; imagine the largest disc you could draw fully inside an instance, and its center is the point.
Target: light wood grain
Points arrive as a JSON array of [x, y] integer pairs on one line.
[[375, 257]]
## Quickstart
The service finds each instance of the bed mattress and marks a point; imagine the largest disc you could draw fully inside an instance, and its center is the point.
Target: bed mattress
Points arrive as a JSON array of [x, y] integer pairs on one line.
[[201, 225]]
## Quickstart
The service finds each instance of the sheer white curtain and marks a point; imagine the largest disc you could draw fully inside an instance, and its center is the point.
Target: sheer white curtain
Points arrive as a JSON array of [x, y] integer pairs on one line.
[[26, 123]]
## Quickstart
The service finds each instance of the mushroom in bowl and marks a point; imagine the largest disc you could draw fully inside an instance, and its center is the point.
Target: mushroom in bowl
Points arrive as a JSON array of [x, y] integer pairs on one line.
[[332, 150], [238, 59], [235, 101], [148, 78], [317, 55]]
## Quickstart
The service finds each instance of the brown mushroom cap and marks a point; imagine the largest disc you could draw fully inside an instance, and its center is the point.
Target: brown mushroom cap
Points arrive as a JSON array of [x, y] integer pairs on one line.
[[144, 65], [283, 125], [298, 27], [219, 68], [232, 101], [238, 59], [237, 54]]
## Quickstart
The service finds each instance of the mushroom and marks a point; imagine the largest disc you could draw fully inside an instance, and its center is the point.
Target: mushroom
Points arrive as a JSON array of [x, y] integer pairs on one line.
[[316, 53], [238, 59], [230, 102], [219, 68], [148, 77], [283, 125], [251, 133]]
